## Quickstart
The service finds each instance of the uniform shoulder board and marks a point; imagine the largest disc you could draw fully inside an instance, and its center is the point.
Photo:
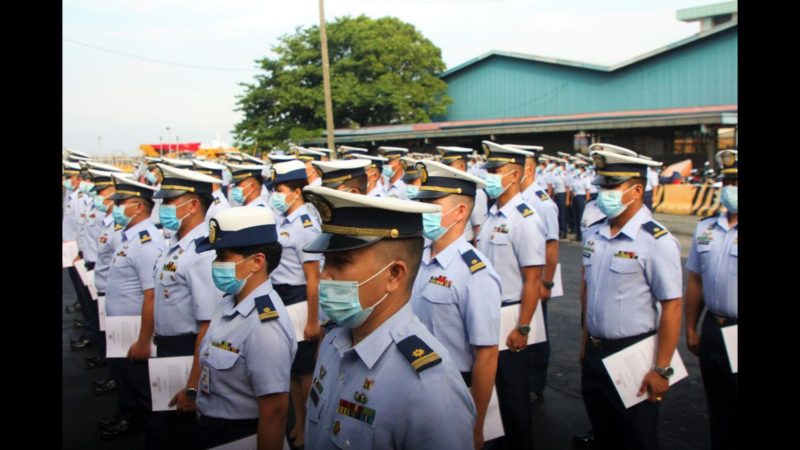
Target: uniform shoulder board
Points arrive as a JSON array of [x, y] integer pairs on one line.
[[216, 201], [144, 236], [473, 261], [266, 309], [117, 227], [199, 241], [655, 229], [524, 209], [710, 217], [418, 353], [542, 195], [306, 221]]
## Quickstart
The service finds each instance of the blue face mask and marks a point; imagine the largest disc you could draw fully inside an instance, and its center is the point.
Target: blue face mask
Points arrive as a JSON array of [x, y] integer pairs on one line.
[[339, 300], [432, 225], [411, 191], [151, 177], [279, 202], [98, 203], [68, 185], [237, 194], [730, 198], [119, 215], [86, 186], [494, 185], [610, 202], [387, 171], [224, 276], [168, 214]]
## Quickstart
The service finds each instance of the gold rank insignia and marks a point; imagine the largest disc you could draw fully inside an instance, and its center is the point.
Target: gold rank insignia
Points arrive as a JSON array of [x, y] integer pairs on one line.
[[212, 231], [473, 261], [144, 236], [266, 309], [418, 353], [524, 209], [103, 239], [368, 383], [217, 201], [285, 234], [360, 397], [306, 221], [322, 372]]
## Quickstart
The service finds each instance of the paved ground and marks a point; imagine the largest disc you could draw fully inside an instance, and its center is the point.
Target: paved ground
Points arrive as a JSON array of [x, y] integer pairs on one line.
[[683, 426]]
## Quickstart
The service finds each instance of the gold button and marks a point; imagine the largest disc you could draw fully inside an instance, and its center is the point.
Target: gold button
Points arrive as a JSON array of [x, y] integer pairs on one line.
[[336, 427]]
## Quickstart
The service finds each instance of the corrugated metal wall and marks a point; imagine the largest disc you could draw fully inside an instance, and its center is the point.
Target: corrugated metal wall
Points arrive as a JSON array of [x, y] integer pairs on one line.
[[702, 73]]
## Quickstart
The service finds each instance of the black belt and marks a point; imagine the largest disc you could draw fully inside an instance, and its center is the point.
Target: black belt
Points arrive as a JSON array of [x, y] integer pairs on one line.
[[215, 423], [175, 341], [723, 321], [618, 344], [101, 294], [467, 376]]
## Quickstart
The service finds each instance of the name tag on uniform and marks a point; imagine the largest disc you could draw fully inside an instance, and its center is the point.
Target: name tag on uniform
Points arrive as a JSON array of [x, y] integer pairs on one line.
[[205, 384]]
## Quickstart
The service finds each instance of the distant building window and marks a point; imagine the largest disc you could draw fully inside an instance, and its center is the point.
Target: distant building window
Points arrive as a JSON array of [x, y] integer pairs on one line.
[[686, 142]]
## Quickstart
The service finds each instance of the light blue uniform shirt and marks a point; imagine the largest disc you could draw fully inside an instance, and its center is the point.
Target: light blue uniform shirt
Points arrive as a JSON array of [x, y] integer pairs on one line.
[[715, 256], [294, 232], [93, 228], [397, 190], [243, 358], [591, 214], [218, 204], [369, 396], [83, 206], [627, 275], [107, 242], [559, 182], [478, 214], [69, 226], [259, 201], [185, 293], [133, 269], [458, 300], [511, 238], [545, 207], [377, 191], [591, 174]]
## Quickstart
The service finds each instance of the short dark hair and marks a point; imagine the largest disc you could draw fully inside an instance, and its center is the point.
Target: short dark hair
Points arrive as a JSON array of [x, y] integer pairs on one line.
[[409, 250], [359, 182], [205, 201], [638, 180], [271, 251], [293, 184]]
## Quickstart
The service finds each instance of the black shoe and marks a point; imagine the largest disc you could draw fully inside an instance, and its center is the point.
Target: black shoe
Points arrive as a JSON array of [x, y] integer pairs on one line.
[[80, 344], [536, 397], [98, 383], [584, 440], [78, 323], [74, 307], [108, 421], [117, 429], [97, 361], [107, 386]]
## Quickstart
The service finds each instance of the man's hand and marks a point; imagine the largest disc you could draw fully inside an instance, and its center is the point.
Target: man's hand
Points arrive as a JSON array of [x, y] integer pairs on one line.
[[516, 341], [545, 293], [693, 342], [312, 332], [139, 351], [655, 386], [185, 404]]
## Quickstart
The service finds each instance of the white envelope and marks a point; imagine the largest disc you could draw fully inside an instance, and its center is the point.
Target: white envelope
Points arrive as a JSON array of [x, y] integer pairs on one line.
[[298, 312], [69, 250], [509, 319], [730, 335], [121, 333], [558, 287], [167, 377]]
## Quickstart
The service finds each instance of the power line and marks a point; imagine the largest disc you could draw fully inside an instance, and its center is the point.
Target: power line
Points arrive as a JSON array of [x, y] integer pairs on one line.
[[158, 61]]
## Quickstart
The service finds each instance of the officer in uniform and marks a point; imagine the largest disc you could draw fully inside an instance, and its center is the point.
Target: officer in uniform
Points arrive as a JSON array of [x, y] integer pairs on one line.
[[130, 292], [219, 201], [374, 171], [457, 292], [296, 279], [249, 184], [547, 210], [410, 177], [247, 351], [580, 188], [456, 157], [381, 379], [631, 290], [185, 295], [393, 171], [69, 226], [513, 240], [83, 206], [713, 279], [307, 156], [652, 181], [344, 174], [558, 180]]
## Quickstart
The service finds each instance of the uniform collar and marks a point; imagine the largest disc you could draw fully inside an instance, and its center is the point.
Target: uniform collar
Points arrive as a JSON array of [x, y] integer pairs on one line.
[[444, 257], [399, 184], [108, 220], [246, 306], [631, 229], [131, 232], [530, 190], [197, 232], [508, 207], [297, 213], [722, 222], [373, 346]]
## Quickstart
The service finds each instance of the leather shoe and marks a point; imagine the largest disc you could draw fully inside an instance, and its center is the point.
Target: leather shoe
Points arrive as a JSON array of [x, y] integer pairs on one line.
[[117, 429], [108, 421], [95, 361], [107, 386], [101, 382], [584, 440], [78, 323], [74, 307], [80, 344]]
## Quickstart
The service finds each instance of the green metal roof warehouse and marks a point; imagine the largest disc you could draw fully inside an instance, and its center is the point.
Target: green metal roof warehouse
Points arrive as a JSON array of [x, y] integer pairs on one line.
[[673, 103]]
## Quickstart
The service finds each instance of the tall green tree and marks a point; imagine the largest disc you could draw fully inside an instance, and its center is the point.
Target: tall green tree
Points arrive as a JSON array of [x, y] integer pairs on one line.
[[383, 71]]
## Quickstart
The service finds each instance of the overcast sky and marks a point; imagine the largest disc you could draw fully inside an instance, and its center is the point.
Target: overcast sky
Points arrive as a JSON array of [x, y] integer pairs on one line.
[[113, 102]]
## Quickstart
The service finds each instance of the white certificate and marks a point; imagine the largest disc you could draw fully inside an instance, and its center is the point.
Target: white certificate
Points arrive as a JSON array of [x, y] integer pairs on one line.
[[167, 377], [492, 424], [558, 287], [69, 250], [121, 333], [730, 335], [628, 367], [101, 312], [299, 314], [509, 319], [248, 443]]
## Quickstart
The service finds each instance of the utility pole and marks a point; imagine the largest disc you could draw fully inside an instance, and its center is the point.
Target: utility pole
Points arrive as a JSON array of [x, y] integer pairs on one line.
[[326, 80]]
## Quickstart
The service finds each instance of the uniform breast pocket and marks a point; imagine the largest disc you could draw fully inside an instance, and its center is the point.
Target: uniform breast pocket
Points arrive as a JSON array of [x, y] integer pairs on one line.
[[221, 359], [167, 278], [441, 308], [349, 433], [625, 266], [499, 238], [704, 252]]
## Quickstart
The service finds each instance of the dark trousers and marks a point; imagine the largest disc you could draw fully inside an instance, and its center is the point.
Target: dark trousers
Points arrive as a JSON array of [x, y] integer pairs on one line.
[[172, 429], [615, 427], [648, 199], [561, 202], [578, 204], [212, 432], [721, 387], [88, 306], [303, 363], [133, 387], [540, 358], [513, 395]]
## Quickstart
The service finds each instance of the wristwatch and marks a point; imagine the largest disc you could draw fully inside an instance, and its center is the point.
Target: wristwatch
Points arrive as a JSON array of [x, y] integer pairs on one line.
[[548, 284], [665, 372], [191, 393], [524, 329]]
